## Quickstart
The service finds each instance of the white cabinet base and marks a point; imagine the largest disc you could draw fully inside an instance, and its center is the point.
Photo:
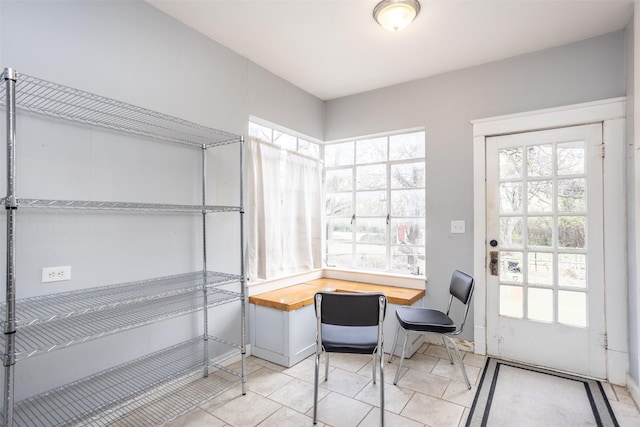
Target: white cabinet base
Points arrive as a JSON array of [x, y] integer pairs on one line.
[[288, 337]]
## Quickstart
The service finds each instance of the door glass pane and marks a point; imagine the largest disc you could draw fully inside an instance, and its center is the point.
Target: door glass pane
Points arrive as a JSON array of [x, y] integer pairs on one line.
[[539, 160], [372, 177], [511, 301], [338, 154], [371, 256], [510, 197], [540, 304], [406, 146], [540, 268], [571, 195], [407, 203], [571, 158], [572, 308], [511, 266], [371, 150], [510, 163], [339, 204], [571, 231], [511, 232], [539, 231], [339, 180], [539, 196], [339, 229], [371, 203], [407, 175], [572, 270]]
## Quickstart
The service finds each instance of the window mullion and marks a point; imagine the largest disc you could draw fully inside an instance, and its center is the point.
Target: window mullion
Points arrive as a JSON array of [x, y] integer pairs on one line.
[[388, 190], [354, 226]]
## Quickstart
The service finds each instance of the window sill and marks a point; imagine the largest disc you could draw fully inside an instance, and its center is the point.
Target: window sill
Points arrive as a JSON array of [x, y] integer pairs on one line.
[[379, 278]]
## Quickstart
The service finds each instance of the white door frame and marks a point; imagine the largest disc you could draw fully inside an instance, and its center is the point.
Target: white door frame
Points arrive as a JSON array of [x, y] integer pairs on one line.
[[611, 113]]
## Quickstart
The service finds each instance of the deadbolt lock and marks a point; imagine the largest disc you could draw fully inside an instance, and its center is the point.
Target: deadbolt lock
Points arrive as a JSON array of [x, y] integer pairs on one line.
[[493, 263]]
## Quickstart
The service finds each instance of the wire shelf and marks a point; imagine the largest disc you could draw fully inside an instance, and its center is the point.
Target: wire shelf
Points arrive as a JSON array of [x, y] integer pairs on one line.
[[51, 99], [155, 413], [40, 338], [47, 308], [125, 206], [172, 378]]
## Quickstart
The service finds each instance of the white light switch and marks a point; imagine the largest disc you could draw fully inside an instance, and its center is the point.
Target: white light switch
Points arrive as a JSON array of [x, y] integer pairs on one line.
[[457, 226]]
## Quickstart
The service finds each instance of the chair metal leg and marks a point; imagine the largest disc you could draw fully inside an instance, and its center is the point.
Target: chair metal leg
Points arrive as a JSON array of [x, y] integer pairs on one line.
[[315, 389], [464, 370], [381, 356], [326, 366], [446, 346], [373, 365], [395, 343], [397, 377]]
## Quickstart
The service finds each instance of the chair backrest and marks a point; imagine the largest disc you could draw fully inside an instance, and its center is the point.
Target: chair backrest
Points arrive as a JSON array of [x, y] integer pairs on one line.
[[350, 309], [461, 287]]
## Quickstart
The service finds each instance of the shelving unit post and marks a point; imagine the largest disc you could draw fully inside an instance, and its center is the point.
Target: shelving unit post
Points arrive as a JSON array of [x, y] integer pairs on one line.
[[11, 206]]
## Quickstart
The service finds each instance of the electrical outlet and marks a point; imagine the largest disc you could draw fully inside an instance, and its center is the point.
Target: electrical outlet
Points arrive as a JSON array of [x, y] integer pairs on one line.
[[56, 274], [458, 227]]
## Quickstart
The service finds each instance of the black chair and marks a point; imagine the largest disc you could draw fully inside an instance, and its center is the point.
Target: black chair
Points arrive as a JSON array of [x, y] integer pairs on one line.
[[349, 323], [427, 321]]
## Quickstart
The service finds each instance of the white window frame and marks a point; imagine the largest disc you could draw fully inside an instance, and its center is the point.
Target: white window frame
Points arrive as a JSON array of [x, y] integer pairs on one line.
[[389, 245]]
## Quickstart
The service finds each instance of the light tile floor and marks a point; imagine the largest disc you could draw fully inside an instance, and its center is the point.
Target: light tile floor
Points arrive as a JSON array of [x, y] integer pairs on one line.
[[431, 392]]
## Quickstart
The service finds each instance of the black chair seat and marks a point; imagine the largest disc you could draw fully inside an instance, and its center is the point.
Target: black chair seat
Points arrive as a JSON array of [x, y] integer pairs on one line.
[[349, 339], [416, 320], [424, 319]]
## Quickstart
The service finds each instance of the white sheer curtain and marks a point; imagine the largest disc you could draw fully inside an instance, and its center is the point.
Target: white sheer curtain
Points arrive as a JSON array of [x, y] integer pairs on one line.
[[283, 211]]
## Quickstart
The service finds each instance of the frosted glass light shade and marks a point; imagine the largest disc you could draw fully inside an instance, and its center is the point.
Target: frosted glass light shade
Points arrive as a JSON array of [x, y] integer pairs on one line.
[[395, 15]]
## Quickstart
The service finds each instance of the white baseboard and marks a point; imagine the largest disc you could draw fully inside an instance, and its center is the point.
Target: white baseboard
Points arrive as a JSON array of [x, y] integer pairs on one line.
[[634, 391], [463, 345]]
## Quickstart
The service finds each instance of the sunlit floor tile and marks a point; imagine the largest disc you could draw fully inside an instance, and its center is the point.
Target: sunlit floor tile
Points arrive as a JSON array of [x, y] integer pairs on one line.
[[285, 417], [340, 411], [433, 412], [297, 395], [395, 398], [196, 418], [246, 411]]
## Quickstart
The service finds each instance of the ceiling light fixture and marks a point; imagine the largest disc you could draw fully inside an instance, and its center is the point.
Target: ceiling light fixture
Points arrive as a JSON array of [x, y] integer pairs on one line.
[[395, 15]]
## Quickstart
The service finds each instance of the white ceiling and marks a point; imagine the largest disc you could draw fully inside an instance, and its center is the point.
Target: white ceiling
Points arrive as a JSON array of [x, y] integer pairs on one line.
[[334, 48]]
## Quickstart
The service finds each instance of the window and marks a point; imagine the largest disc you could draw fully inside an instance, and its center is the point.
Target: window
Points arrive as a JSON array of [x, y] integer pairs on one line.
[[375, 203], [284, 210], [284, 140]]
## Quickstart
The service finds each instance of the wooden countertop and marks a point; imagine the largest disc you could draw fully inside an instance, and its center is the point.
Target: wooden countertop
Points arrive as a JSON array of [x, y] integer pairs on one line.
[[293, 297]]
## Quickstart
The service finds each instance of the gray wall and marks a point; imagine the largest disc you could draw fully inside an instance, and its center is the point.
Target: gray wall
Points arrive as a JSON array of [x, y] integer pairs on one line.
[[129, 51], [444, 105]]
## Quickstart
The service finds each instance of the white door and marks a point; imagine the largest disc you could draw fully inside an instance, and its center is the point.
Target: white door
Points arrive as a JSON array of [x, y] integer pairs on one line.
[[545, 292]]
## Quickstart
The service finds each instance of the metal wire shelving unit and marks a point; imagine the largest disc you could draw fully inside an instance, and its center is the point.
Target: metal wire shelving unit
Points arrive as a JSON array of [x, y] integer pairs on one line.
[[107, 397], [118, 206], [152, 389]]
